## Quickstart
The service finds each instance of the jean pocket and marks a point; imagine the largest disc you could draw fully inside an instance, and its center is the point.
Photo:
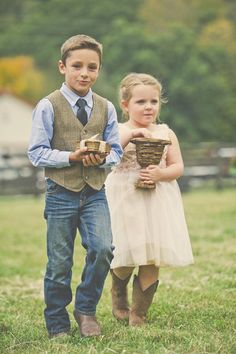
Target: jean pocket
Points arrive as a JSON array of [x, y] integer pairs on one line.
[[52, 187]]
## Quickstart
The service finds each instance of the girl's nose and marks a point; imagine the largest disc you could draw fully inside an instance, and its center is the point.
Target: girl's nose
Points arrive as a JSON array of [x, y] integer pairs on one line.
[[148, 105]]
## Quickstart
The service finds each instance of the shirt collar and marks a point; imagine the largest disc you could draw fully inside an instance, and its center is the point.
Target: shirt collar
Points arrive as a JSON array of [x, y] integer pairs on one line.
[[72, 97]]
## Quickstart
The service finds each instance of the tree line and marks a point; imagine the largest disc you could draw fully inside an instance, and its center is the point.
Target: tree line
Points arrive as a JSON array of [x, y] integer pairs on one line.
[[188, 44]]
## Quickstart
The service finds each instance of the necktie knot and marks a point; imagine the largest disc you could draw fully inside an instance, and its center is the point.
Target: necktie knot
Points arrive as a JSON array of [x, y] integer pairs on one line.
[[81, 103], [81, 113]]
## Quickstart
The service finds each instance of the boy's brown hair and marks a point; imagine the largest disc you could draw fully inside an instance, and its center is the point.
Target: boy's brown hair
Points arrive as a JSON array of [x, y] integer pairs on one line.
[[80, 41]]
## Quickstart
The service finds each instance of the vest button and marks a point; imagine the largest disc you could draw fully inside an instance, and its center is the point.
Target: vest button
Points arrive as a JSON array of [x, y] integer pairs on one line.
[[86, 177]]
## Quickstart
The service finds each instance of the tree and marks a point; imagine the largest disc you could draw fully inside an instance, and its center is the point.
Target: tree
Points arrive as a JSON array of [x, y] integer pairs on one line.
[[189, 45], [18, 75]]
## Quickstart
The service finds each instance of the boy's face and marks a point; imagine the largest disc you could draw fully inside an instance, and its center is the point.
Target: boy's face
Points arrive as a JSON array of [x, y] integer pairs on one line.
[[81, 70]]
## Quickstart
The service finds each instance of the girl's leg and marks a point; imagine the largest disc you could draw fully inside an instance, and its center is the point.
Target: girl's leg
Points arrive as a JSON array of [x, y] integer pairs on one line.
[[144, 288], [123, 272], [120, 279], [147, 276]]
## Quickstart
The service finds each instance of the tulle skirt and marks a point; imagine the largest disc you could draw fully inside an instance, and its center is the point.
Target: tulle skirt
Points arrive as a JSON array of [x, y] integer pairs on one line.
[[148, 226]]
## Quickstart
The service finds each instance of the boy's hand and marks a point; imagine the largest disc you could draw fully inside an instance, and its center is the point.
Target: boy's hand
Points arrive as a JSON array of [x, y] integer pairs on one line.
[[88, 159], [93, 160], [78, 155]]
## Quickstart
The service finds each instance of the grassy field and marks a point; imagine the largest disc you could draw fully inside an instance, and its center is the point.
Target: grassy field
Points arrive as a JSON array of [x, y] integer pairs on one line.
[[194, 310]]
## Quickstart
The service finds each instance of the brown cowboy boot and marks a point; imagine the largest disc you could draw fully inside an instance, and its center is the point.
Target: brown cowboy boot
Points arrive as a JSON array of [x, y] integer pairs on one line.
[[141, 301], [120, 305]]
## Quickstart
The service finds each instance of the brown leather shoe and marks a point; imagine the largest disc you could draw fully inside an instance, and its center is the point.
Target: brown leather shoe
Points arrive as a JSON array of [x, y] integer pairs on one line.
[[58, 335], [88, 325]]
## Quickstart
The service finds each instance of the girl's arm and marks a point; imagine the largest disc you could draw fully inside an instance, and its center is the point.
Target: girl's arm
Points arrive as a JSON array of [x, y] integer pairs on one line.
[[174, 160], [127, 134], [174, 164]]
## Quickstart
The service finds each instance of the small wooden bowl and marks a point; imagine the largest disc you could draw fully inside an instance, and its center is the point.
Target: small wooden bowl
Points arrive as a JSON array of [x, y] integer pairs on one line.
[[98, 147]]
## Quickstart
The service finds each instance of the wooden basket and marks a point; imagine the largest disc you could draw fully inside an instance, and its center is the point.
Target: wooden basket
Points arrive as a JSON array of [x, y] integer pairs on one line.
[[149, 151], [98, 147]]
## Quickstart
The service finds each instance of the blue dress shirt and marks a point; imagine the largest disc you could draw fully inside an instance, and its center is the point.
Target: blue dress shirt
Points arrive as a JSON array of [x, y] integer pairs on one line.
[[40, 152]]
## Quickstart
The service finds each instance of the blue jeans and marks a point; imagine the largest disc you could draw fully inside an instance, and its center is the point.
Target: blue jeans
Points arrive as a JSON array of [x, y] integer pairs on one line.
[[65, 212]]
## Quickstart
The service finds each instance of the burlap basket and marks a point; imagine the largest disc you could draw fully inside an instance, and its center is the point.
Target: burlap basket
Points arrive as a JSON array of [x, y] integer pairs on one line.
[[149, 151]]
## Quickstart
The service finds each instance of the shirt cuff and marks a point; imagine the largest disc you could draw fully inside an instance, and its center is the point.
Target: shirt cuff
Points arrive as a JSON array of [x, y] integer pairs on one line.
[[64, 159]]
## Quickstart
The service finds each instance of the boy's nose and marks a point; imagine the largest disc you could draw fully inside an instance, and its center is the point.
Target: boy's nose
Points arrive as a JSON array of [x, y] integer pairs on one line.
[[84, 72]]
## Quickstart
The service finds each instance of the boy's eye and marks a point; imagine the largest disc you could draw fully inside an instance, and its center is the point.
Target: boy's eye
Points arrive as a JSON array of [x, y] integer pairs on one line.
[[154, 101], [77, 66]]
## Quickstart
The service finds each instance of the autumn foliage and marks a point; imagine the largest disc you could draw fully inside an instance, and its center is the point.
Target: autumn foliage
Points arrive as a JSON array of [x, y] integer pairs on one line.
[[18, 75]]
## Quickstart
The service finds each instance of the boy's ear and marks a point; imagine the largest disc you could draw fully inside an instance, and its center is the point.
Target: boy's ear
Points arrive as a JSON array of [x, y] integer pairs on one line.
[[61, 67]]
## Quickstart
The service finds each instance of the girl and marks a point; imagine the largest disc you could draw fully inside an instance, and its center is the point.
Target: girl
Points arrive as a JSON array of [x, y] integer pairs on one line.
[[148, 225]]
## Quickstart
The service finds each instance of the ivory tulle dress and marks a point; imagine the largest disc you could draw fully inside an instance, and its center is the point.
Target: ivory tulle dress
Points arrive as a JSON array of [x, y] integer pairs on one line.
[[149, 225]]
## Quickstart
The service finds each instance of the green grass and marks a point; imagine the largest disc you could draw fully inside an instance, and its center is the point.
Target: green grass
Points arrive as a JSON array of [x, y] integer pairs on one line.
[[194, 309]]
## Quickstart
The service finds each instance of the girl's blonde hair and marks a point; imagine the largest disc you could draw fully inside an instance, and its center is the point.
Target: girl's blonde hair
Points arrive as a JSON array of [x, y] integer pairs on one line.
[[133, 79]]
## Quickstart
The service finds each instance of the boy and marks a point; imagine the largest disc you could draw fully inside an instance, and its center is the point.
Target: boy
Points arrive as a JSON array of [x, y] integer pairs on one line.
[[75, 195]]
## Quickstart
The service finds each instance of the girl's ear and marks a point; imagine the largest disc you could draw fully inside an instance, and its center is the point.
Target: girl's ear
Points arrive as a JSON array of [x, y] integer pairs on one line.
[[124, 105], [61, 67]]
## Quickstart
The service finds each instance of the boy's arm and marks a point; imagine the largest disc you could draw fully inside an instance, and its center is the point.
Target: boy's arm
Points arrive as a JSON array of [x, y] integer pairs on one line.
[[111, 136], [40, 152]]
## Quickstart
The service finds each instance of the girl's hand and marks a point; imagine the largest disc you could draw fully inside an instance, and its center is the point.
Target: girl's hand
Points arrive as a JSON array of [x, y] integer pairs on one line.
[[151, 174], [126, 134], [141, 132]]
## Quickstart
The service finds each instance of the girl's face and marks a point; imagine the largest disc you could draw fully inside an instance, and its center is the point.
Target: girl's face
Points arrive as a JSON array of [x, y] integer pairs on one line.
[[144, 105]]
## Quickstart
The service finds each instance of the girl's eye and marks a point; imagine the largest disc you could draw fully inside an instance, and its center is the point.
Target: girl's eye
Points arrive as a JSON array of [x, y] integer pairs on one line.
[[93, 68], [142, 102]]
